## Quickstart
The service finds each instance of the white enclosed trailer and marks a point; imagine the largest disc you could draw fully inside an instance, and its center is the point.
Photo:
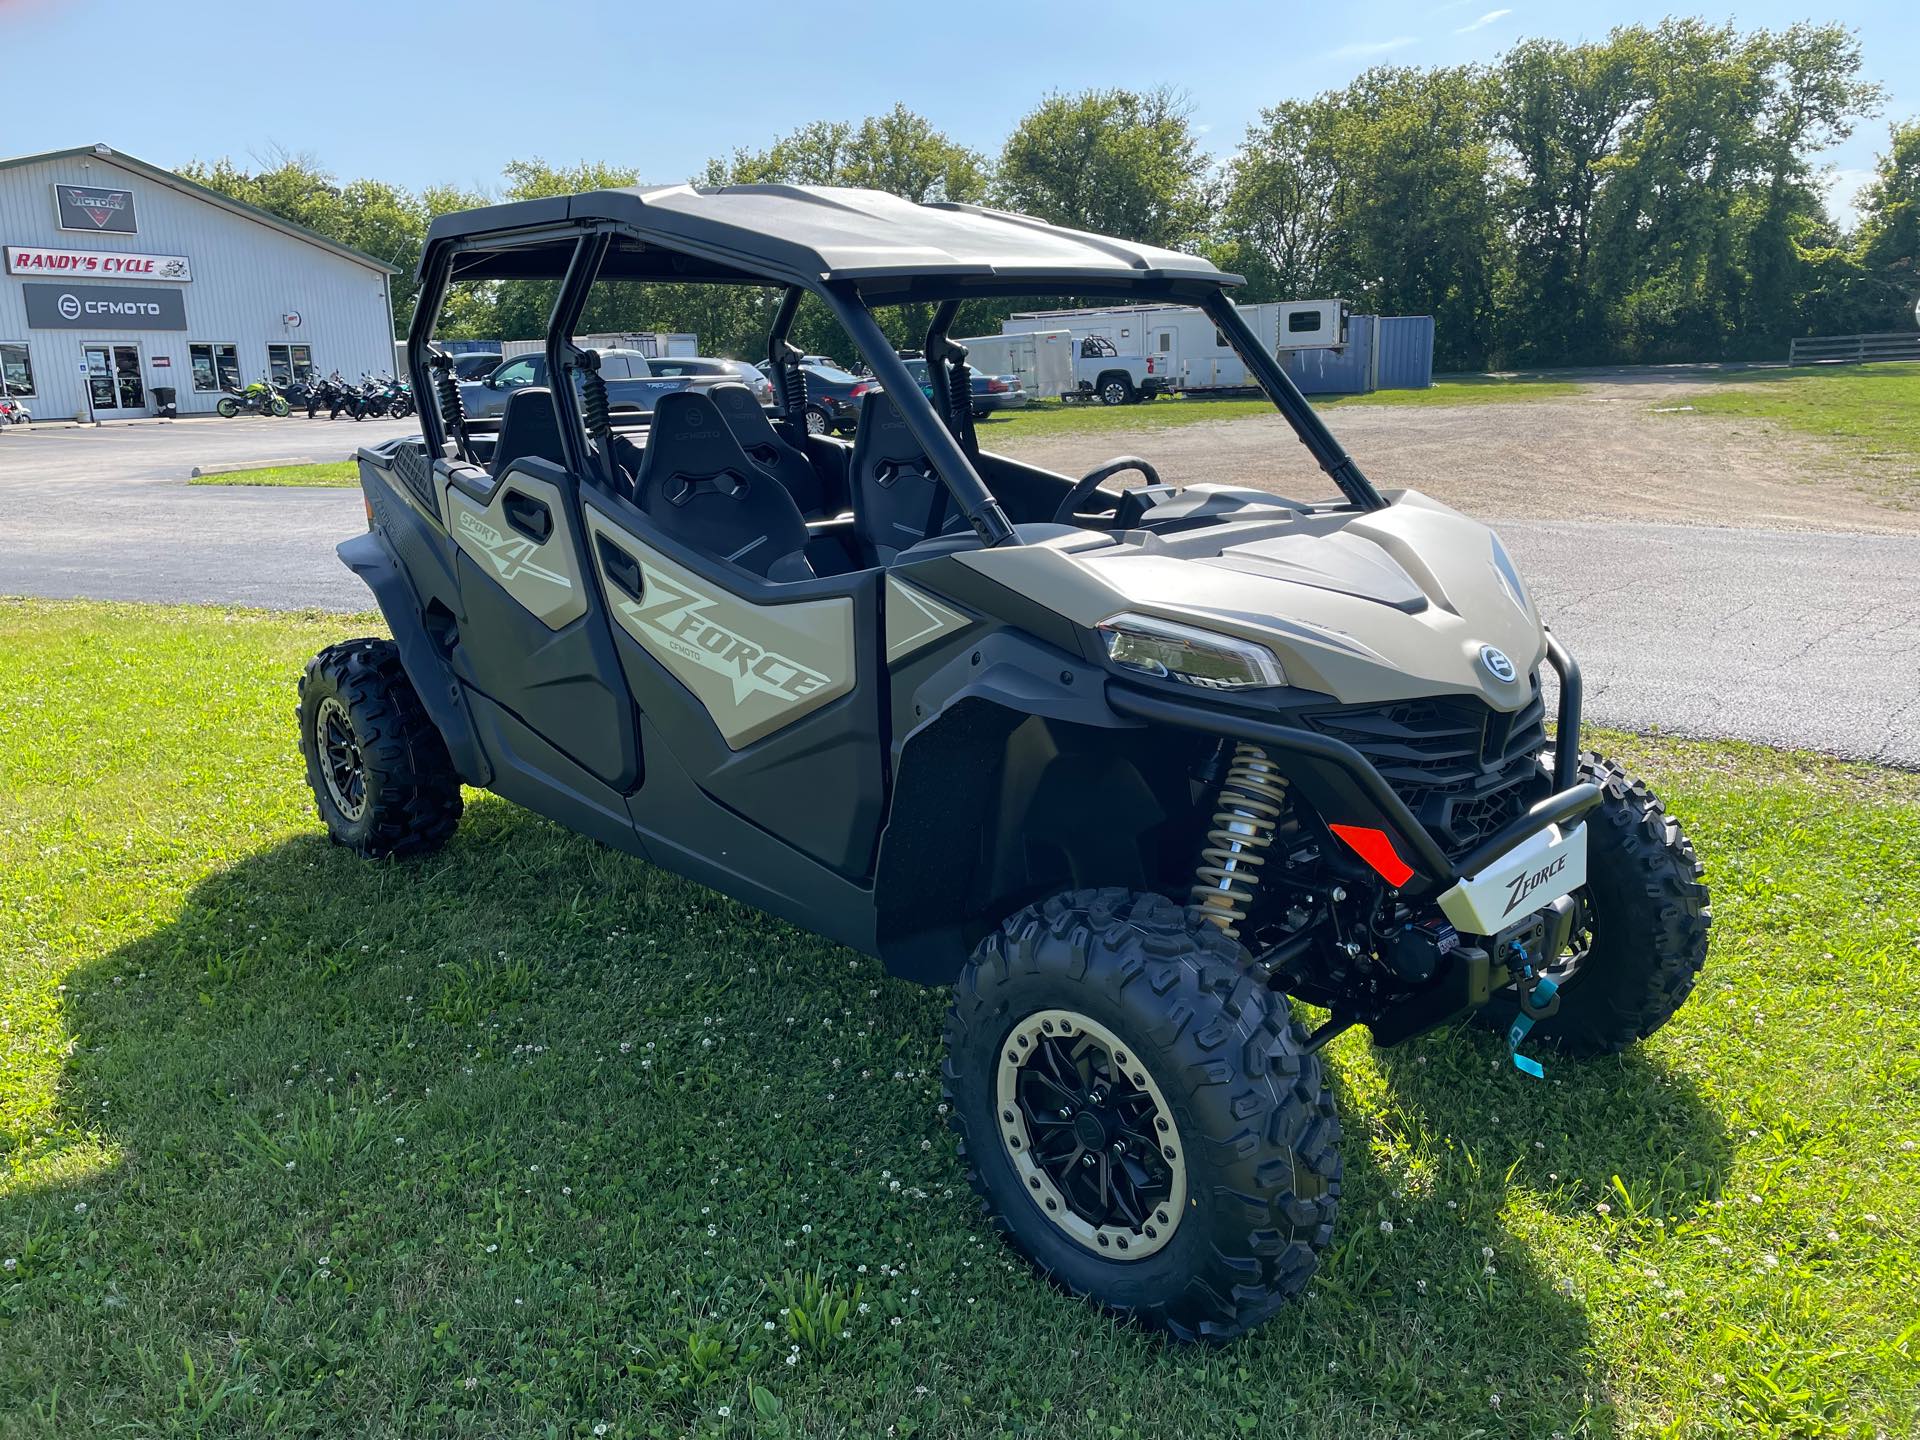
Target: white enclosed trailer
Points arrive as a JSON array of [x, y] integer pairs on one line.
[[1043, 359], [648, 342], [1182, 343]]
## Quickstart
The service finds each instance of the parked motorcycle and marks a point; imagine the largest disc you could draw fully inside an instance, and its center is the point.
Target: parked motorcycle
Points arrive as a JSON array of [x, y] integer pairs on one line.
[[262, 397], [12, 412], [330, 393]]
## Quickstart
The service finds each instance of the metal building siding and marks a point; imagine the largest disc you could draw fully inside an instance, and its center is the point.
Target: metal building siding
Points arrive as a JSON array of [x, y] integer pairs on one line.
[[246, 275], [1403, 351]]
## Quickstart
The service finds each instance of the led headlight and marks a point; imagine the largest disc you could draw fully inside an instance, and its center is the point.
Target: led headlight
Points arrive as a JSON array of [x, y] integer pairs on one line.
[[1199, 657]]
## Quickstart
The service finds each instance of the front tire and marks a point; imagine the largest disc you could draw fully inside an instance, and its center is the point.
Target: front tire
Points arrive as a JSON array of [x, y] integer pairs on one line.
[[1127, 1013], [1641, 936], [379, 771], [1116, 390]]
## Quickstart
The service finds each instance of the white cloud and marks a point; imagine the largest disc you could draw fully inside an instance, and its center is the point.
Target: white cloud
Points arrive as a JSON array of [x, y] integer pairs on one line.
[[1483, 21], [1360, 50]]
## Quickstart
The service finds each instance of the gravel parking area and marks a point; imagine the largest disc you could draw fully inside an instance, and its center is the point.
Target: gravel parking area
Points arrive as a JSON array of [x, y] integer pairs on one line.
[[1603, 456]]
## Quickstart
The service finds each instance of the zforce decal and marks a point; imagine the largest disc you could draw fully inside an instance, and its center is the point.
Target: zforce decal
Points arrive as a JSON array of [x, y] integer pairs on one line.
[[510, 555], [677, 617], [1528, 881]]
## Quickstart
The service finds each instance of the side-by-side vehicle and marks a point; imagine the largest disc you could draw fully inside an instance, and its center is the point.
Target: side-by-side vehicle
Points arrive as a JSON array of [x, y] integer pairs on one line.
[[1130, 766]]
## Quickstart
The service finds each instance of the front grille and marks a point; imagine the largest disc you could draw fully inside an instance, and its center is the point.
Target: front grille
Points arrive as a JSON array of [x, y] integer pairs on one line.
[[1464, 768]]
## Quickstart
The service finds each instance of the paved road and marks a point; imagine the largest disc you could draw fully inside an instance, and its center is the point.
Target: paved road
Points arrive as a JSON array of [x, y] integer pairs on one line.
[[1799, 639]]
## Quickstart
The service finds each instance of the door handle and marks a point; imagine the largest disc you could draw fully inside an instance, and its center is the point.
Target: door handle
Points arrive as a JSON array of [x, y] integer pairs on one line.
[[622, 569], [528, 516]]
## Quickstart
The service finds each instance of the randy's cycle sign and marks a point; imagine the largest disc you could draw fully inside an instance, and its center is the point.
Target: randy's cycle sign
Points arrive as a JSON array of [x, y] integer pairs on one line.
[[104, 307], [89, 207]]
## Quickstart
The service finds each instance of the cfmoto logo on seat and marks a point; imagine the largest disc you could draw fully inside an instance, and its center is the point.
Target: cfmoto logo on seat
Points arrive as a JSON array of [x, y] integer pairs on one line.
[[679, 618], [510, 555]]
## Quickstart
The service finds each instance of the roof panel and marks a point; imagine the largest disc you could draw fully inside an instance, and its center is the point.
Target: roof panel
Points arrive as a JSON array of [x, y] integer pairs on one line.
[[840, 233]]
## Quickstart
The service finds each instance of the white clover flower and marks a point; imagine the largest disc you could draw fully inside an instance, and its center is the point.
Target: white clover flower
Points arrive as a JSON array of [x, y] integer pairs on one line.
[[723, 1412], [601, 1428], [793, 1359], [1486, 1252], [1386, 1227], [1603, 1208], [470, 1383]]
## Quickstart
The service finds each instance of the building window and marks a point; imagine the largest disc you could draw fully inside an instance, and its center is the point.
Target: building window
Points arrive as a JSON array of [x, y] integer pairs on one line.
[[215, 367], [288, 363], [16, 369]]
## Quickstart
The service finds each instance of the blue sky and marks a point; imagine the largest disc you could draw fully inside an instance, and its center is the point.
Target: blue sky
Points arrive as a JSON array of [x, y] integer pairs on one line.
[[662, 86]]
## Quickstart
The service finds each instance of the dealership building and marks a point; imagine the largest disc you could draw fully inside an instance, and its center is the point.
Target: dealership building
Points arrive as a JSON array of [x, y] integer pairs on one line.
[[123, 279]]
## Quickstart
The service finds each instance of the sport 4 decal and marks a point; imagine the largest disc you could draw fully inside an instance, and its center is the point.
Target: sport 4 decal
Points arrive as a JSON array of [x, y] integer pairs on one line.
[[511, 555]]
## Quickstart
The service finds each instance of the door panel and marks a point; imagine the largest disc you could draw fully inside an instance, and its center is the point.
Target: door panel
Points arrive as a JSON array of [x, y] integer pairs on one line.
[[536, 564], [755, 668], [770, 700], [532, 636]]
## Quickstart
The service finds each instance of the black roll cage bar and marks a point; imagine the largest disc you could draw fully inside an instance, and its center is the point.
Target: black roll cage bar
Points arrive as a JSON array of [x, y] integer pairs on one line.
[[592, 241]]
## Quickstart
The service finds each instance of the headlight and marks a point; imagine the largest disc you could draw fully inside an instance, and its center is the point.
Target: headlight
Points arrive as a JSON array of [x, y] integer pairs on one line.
[[1199, 657]]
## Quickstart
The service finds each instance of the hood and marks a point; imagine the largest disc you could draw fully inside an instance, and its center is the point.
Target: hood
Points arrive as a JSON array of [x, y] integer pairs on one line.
[[1385, 605]]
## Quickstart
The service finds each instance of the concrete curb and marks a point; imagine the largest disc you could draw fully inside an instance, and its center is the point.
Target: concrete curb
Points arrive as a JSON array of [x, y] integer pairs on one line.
[[269, 464]]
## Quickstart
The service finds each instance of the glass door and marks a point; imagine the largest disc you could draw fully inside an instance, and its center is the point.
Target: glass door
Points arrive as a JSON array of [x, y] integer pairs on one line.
[[113, 377]]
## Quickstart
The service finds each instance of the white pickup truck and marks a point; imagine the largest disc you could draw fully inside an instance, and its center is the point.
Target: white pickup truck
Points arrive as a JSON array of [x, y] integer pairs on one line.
[[1102, 373]]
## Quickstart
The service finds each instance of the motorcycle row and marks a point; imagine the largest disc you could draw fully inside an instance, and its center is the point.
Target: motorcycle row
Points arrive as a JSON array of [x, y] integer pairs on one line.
[[376, 397]]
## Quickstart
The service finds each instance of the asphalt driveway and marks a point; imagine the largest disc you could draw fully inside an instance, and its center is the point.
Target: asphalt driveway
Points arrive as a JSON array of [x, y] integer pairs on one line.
[[1796, 638]]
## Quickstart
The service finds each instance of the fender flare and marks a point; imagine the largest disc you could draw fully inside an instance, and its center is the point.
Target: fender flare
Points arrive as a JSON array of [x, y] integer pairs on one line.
[[371, 558]]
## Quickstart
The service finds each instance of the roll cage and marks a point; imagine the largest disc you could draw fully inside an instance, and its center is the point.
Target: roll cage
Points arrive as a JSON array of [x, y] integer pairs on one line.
[[639, 235]]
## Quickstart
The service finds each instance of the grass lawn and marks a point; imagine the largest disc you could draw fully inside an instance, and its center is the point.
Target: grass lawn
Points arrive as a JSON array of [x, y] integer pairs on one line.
[[1873, 411], [1057, 418], [529, 1138], [334, 473]]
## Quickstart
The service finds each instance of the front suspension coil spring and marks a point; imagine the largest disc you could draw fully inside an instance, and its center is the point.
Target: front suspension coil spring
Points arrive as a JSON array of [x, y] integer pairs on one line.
[[1253, 798], [794, 379]]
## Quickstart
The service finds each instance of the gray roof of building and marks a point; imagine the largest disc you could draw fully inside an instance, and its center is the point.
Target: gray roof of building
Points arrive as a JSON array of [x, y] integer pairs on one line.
[[808, 232], [161, 176]]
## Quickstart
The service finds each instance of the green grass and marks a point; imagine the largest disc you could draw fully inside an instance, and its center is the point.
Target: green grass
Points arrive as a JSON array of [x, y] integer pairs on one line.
[[342, 474], [1056, 418], [528, 1137], [1871, 411]]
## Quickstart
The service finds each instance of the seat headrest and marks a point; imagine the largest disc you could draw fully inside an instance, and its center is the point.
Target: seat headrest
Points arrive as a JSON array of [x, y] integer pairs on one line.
[[529, 427], [737, 406], [883, 434]]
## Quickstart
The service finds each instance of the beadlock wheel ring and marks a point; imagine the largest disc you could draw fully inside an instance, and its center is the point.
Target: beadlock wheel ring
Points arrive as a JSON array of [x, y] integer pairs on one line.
[[1119, 1193], [342, 767]]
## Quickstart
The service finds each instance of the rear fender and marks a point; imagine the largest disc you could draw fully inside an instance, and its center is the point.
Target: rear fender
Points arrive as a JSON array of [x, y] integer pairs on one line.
[[371, 558]]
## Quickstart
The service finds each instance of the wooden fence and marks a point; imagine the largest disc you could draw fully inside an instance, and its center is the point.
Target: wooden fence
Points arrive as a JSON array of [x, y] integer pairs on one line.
[[1854, 349]]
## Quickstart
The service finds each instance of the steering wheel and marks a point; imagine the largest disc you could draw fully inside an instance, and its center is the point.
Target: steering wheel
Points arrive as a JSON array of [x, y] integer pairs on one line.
[[1090, 482]]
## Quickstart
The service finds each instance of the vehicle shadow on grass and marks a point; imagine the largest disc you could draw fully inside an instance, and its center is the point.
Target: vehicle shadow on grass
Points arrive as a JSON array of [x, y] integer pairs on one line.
[[336, 1139]]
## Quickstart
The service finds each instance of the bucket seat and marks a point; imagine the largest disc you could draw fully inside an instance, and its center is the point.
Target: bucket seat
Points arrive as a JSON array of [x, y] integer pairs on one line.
[[751, 427], [698, 486], [898, 500]]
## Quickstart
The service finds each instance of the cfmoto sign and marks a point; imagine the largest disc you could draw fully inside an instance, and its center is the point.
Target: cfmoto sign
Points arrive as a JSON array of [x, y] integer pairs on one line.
[[104, 307]]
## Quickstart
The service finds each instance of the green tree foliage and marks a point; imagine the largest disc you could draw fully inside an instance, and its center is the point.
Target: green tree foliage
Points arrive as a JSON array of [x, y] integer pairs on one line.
[[1888, 246], [1117, 162]]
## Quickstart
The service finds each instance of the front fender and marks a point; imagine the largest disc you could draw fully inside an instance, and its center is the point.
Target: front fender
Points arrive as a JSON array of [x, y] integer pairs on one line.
[[371, 558]]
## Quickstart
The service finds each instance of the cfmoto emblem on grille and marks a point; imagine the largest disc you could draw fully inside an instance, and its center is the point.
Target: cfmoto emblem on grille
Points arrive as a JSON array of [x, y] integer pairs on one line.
[[1497, 664]]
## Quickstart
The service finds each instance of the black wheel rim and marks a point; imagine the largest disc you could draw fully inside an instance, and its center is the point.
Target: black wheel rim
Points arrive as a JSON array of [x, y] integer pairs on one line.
[[342, 766], [1090, 1135]]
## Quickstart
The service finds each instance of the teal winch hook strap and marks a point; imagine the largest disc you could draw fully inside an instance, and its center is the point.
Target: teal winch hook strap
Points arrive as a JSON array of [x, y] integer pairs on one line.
[[1544, 990]]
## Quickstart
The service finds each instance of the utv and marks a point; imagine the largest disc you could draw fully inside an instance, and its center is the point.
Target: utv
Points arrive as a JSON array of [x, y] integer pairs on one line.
[[1129, 768]]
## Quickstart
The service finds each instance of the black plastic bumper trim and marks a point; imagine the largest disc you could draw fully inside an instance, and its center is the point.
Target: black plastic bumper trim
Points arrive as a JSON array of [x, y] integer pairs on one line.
[[1566, 737], [1556, 809]]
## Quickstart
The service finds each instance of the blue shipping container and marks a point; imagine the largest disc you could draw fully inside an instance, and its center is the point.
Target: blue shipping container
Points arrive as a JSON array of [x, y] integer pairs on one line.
[[1403, 352]]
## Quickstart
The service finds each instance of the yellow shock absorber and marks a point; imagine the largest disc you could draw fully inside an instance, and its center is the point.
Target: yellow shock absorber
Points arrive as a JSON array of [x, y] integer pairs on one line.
[[1252, 800]]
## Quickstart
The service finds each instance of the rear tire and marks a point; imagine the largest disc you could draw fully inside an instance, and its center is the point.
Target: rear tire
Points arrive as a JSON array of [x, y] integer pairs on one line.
[[1647, 921], [227, 409], [379, 771], [817, 421], [1218, 1071]]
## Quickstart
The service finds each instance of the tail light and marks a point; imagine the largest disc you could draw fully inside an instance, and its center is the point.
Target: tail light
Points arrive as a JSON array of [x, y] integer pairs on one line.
[[862, 388], [998, 387], [1150, 369]]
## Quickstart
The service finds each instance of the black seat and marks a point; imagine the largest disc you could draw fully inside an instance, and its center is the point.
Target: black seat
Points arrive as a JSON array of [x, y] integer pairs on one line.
[[898, 500], [751, 427], [529, 426], [699, 487]]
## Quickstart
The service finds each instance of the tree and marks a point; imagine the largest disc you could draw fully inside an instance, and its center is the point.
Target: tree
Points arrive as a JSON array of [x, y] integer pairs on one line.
[[1558, 110], [1887, 244], [1117, 162]]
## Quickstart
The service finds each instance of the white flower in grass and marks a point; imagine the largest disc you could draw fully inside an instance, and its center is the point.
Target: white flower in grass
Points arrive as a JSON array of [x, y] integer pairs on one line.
[[1494, 1401], [1386, 1227], [601, 1428], [1603, 1208], [470, 1383], [1421, 1286], [81, 1208], [723, 1412], [793, 1359], [1486, 1252]]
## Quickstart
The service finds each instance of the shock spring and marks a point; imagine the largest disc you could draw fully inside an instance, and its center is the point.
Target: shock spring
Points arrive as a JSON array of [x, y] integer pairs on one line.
[[1252, 800]]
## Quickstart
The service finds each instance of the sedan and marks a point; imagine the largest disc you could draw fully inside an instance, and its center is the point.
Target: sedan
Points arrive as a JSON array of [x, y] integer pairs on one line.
[[990, 392], [721, 370]]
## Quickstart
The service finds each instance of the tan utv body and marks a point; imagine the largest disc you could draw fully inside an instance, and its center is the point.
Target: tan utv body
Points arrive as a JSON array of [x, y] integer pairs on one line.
[[1135, 769]]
